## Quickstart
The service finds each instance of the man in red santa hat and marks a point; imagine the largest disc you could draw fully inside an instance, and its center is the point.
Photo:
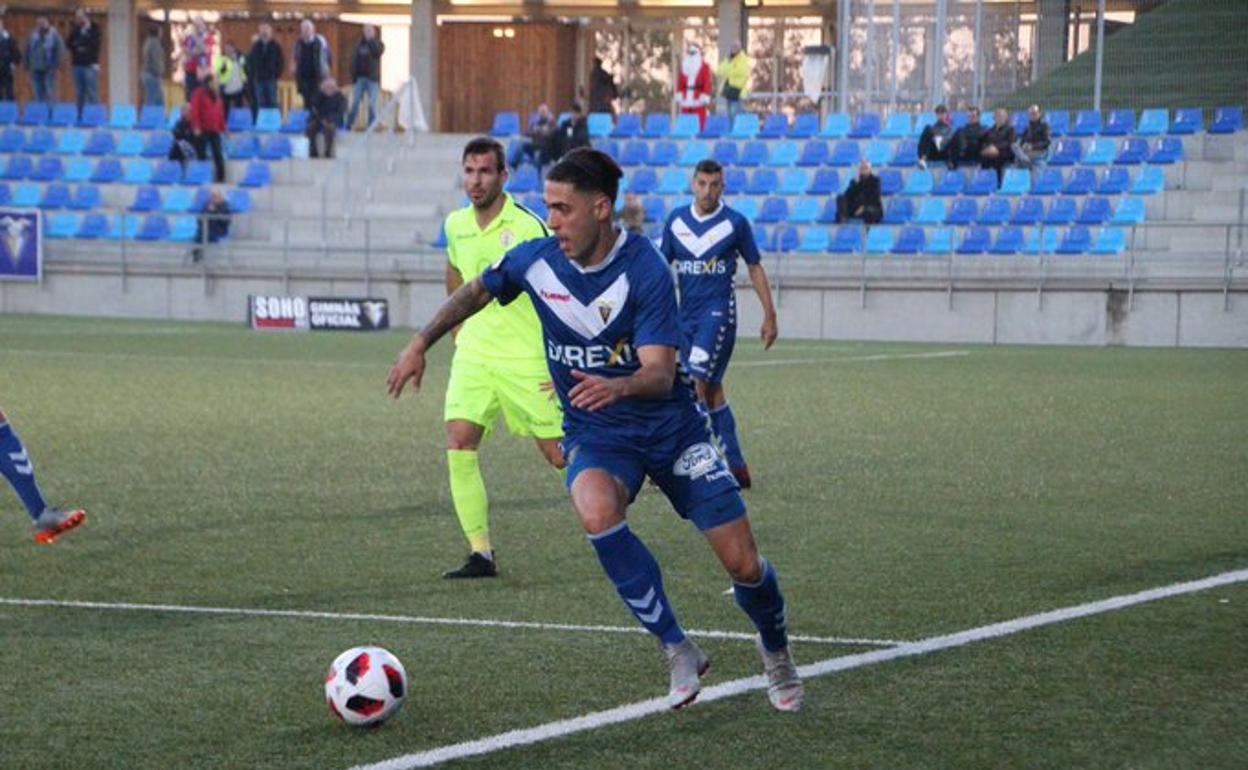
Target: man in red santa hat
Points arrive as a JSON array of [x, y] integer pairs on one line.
[[695, 84]]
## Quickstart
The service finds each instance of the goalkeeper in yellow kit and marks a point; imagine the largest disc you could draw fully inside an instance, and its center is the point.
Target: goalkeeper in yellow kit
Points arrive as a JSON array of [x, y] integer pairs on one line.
[[500, 360]]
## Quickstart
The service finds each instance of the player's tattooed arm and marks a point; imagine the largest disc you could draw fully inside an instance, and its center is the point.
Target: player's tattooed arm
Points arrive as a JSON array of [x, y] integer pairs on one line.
[[459, 307]]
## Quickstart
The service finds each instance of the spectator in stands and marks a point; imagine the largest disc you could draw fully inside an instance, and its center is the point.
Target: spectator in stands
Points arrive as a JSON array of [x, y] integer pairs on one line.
[[152, 71], [537, 140], [10, 57], [208, 123], [84, 55], [997, 146], [43, 59], [573, 132], [937, 139], [735, 71], [602, 90], [213, 224], [266, 64], [195, 62], [861, 200], [183, 147], [310, 63], [325, 117], [633, 215], [1033, 147], [366, 72], [228, 68], [964, 149], [694, 84]]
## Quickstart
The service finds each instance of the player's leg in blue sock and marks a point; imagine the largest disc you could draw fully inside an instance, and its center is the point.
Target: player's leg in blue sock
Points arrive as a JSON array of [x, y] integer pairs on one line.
[[636, 576], [764, 603], [724, 426], [16, 466]]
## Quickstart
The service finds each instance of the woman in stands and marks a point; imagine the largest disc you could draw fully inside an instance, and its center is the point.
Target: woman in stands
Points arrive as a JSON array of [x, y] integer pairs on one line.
[[208, 123]]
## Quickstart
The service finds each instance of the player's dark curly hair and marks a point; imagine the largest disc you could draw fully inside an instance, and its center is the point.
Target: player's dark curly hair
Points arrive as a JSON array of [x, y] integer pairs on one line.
[[588, 170]]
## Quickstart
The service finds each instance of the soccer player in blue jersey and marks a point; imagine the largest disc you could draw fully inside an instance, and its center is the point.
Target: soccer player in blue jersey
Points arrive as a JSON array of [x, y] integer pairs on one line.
[[16, 466], [703, 240], [607, 305]]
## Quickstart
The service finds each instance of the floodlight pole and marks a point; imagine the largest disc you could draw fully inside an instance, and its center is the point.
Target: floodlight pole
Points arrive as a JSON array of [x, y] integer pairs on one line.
[[938, 70], [1100, 54], [842, 69]]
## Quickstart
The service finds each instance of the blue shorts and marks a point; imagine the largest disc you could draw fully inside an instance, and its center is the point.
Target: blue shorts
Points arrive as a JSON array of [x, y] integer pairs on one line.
[[687, 468], [709, 341]]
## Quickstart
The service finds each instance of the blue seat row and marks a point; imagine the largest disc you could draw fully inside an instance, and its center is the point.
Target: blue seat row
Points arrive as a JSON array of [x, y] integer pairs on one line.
[[126, 117], [86, 197], [97, 226], [884, 240], [136, 171], [129, 144]]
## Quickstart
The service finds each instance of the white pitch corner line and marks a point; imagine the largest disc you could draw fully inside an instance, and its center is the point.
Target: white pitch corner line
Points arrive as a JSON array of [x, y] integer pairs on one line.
[[420, 620], [633, 711]]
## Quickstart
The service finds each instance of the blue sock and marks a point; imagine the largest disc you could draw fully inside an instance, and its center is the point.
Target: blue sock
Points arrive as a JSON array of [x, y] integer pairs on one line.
[[764, 603], [724, 426], [635, 573], [15, 465]]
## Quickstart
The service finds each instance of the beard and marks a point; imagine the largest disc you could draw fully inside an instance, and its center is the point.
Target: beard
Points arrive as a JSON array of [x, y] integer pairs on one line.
[[691, 65]]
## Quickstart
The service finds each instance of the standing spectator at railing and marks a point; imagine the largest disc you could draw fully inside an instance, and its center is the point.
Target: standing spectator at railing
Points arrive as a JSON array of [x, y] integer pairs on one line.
[[1032, 148], [937, 139], [196, 63], [208, 121], [366, 72], [10, 58], [84, 56], [310, 62], [735, 71], [325, 117], [266, 64], [43, 59], [228, 66], [965, 145], [602, 90], [152, 71], [997, 146], [861, 200]]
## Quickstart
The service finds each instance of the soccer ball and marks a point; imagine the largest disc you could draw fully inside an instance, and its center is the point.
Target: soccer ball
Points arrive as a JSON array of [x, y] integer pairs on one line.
[[365, 686]]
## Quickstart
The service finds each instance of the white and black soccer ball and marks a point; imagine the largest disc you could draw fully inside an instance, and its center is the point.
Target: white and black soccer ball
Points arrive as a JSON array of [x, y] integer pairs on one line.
[[365, 686]]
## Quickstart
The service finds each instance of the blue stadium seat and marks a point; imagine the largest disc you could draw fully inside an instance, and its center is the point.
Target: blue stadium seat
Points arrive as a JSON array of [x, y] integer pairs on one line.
[[122, 227], [146, 199], [64, 115], [693, 153], [178, 200], [296, 122], [735, 181], [198, 172], [1082, 181], [775, 126], [827, 214], [745, 126], [717, 126], [911, 240], [26, 195], [1133, 152], [239, 201], [763, 182], [1029, 212], [686, 126], [1020, 120], [157, 145], [1076, 240], [85, 198], [55, 196], [983, 183], [1087, 123], [123, 117], [1153, 122], [1059, 123], [275, 148], [940, 240], [1100, 152], [524, 179], [239, 120], [804, 211], [627, 126], [1009, 241], [93, 116], [155, 227], [99, 142], [1150, 182], [93, 226], [896, 127], [1115, 182], [1110, 242], [269, 121], [40, 141], [975, 240], [34, 114], [71, 142], [1096, 210], [755, 153], [907, 154], [63, 226], [931, 212], [1227, 120], [48, 169], [1067, 152], [865, 126], [673, 182], [17, 167], [658, 125], [1188, 121], [880, 239], [827, 181], [794, 181], [1050, 182], [952, 183], [138, 172], [505, 124], [958, 119], [184, 228], [805, 125], [919, 182], [774, 210], [785, 239], [600, 124], [835, 126], [1017, 181], [534, 203], [783, 153], [747, 207], [1120, 123], [899, 211], [166, 172], [151, 117], [760, 233], [663, 153], [925, 119], [964, 211], [635, 153], [845, 153], [878, 152], [1169, 150], [890, 181], [847, 240], [643, 181], [5, 194], [1130, 211], [815, 240], [996, 211], [1041, 240], [8, 113], [655, 208], [814, 153], [257, 174], [78, 169], [242, 147], [1061, 211], [12, 140]]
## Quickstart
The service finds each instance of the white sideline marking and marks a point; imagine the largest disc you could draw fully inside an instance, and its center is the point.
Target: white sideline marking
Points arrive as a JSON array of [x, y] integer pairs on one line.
[[853, 359], [645, 708], [416, 619]]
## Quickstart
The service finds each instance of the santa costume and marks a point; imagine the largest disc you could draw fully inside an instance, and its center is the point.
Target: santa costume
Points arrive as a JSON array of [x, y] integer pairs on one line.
[[695, 85]]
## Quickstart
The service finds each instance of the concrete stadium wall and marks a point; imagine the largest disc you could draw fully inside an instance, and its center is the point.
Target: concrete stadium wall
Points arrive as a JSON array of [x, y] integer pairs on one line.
[[1057, 316]]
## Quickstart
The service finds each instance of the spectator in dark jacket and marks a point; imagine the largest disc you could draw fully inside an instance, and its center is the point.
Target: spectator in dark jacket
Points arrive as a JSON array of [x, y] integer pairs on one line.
[[10, 57], [861, 200], [997, 146], [602, 89], [84, 55], [208, 122], [310, 62], [1033, 147], [183, 148], [213, 224], [152, 71], [964, 149], [936, 139], [265, 64], [325, 118], [366, 72], [537, 139], [573, 132], [43, 59]]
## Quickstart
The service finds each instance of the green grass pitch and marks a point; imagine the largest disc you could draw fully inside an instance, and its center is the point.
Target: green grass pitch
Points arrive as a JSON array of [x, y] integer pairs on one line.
[[899, 497]]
